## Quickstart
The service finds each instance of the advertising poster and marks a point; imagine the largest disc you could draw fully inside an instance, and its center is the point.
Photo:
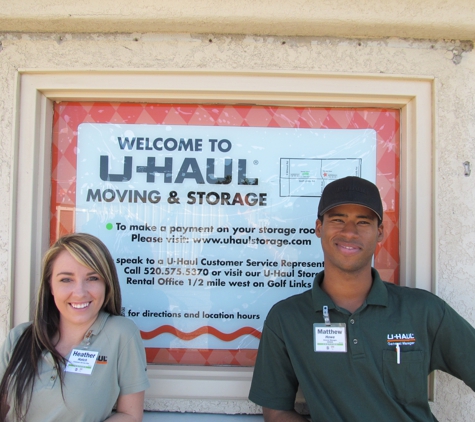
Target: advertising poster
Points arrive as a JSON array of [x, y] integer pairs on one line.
[[210, 226]]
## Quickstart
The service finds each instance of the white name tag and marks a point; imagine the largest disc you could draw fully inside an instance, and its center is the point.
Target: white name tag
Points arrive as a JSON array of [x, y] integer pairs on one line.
[[81, 361], [329, 338]]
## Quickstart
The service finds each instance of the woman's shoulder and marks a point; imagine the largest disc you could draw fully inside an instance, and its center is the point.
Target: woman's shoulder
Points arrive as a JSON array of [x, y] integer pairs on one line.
[[121, 331], [11, 341], [15, 333], [121, 324]]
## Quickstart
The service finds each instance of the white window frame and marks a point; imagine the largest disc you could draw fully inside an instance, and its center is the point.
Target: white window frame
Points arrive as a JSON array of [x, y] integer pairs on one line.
[[38, 89]]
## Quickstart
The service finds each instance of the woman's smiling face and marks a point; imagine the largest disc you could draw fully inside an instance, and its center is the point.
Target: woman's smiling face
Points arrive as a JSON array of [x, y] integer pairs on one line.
[[78, 291]]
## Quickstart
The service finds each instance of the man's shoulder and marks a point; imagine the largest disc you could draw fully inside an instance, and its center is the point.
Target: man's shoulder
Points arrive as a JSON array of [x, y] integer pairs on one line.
[[408, 291], [414, 295], [289, 305]]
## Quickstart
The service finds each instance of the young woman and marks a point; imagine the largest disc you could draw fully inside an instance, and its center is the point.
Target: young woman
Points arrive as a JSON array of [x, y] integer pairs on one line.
[[79, 357]]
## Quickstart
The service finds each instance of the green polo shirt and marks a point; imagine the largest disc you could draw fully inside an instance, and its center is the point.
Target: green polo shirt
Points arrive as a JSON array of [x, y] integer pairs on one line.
[[366, 383]]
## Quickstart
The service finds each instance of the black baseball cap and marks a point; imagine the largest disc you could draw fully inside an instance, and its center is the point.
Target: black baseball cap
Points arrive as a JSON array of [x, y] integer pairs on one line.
[[351, 190]]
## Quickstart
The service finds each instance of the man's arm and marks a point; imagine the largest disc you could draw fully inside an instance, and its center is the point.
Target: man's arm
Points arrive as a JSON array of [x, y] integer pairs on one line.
[[452, 347], [274, 383], [272, 415]]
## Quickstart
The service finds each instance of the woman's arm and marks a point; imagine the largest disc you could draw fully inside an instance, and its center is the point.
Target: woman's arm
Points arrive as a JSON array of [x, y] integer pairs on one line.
[[129, 408]]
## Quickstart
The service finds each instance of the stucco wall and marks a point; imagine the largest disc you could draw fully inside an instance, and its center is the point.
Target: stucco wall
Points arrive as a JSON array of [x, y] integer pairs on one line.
[[452, 63]]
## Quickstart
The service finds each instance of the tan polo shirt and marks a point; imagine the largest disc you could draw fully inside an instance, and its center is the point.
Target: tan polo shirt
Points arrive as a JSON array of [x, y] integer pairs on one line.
[[120, 369]]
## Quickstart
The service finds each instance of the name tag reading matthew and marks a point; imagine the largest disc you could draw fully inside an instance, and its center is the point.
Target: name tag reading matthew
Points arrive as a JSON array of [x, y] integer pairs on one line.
[[329, 338], [81, 361]]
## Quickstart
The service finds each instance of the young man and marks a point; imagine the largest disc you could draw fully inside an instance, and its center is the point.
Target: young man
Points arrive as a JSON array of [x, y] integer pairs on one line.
[[359, 348]]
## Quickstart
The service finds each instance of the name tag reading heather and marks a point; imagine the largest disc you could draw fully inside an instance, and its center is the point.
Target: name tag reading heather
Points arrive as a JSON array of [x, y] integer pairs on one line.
[[81, 361], [329, 338]]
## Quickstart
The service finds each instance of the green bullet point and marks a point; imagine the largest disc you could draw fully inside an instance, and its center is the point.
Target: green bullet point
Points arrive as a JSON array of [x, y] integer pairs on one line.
[[109, 226]]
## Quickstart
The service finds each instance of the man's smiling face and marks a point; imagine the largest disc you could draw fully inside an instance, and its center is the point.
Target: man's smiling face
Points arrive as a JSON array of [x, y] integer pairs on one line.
[[349, 235]]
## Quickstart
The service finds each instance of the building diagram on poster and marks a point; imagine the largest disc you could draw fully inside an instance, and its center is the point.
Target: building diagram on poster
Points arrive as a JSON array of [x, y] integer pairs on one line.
[[308, 176]]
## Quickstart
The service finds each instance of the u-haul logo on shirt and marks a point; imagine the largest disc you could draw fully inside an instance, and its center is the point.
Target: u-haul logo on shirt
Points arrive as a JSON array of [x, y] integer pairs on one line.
[[406, 339], [102, 360]]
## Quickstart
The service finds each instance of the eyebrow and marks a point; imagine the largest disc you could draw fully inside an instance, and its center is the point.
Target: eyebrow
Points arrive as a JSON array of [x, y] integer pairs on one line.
[[68, 273]]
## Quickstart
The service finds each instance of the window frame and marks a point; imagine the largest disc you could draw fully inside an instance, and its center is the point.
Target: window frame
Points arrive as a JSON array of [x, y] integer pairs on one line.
[[31, 188]]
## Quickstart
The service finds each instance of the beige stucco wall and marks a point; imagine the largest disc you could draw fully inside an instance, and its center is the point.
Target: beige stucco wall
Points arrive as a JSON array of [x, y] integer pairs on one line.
[[450, 61]]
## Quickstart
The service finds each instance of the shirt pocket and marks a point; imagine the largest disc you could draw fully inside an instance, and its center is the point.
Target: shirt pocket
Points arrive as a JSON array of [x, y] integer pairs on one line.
[[405, 381]]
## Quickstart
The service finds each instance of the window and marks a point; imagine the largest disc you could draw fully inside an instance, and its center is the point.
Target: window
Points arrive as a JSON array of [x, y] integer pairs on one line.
[[39, 91]]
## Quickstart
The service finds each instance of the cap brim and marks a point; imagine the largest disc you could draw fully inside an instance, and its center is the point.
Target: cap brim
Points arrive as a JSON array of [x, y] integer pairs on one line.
[[348, 203]]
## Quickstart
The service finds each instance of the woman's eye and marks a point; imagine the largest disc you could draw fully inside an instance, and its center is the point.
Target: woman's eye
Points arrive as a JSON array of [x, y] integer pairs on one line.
[[65, 280]]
